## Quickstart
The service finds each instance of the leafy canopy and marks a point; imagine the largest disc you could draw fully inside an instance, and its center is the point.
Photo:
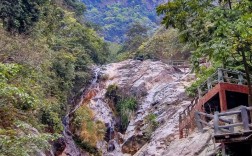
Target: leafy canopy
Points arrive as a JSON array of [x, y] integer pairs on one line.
[[19, 15]]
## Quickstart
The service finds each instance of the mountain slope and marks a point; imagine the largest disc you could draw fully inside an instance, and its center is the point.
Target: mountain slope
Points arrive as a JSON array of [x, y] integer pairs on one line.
[[116, 16]]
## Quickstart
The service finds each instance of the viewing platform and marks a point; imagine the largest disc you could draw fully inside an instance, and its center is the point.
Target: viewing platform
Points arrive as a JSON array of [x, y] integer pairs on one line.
[[222, 91]]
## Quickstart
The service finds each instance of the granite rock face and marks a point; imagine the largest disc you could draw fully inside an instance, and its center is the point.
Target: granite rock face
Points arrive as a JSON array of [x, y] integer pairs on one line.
[[160, 91]]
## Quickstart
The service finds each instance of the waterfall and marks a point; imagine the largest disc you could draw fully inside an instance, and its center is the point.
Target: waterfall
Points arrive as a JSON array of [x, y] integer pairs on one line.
[[71, 149]]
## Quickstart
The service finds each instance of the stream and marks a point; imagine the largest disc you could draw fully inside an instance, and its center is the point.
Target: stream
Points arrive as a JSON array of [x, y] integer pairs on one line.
[[71, 148]]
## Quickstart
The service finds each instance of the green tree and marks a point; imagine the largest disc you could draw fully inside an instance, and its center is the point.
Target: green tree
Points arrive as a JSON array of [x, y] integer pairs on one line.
[[136, 35], [19, 15], [220, 32], [40, 72], [76, 5]]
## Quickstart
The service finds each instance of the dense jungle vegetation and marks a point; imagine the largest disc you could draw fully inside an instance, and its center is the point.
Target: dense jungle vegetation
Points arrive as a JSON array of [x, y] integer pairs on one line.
[[45, 51], [115, 17]]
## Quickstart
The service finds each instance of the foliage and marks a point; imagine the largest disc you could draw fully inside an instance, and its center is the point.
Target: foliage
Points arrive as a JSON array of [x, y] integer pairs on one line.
[[19, 15], [215, 30], [202, 77], [125, 108], [86, 146], [23, 142], [49, 115], [136, 35], [19, 106], [90, 131], [124, 105], [41, 71], [20, 99], [117, 17], [112, 92], [164, 45], [114, 49], [151, 121], [221, 32], [76, 5], [15, 93]]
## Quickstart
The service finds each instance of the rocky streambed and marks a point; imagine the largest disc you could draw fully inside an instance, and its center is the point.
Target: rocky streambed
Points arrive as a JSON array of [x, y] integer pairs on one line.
[[160, 92]]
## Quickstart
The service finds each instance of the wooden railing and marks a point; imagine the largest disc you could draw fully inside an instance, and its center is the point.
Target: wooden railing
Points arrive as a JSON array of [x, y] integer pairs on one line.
[[186, 118], [178, 63], [222, 75], [222, 124]]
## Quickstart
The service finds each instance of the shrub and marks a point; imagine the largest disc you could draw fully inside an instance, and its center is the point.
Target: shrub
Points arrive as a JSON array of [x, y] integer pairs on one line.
[[86, 146], [90, 131], [104, 77], [125, 108], [52, 119], [205, 73], [112, 91], [152, 125]]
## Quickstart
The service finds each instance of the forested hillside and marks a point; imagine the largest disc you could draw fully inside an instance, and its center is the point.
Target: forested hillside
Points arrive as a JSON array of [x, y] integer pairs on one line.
[[115, 16], [45, 51]]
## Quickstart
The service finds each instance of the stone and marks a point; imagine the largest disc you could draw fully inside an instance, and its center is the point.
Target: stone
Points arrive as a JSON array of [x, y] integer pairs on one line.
[[159, 89]]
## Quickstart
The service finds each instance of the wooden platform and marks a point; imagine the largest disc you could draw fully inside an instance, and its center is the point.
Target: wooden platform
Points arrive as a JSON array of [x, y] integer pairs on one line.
[[221, 89], [234, 137], [218, 84]]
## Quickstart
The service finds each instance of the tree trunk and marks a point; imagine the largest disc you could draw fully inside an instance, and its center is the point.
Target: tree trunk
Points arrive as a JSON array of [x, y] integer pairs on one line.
[[248, 78], [229, 3]]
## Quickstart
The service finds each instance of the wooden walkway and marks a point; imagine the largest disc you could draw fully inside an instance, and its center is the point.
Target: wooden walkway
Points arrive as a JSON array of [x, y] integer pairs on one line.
[[179, 63], [230, 126]]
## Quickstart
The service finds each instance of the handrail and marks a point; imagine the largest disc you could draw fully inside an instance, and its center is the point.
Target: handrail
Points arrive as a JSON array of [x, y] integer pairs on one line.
[[228, 126], [186, 118], [222, 75], [178, 62], [187, 110]]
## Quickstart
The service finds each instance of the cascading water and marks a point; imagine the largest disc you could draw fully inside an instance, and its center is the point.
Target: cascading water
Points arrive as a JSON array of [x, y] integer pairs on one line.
[[71, 149], [111, 145]]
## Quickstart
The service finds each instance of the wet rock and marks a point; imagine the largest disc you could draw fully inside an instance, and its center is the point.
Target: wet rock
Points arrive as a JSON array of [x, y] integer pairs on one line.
[[120, 137], [59, 146], [160, 90], [155, 103], [111, 146], [133, 144]]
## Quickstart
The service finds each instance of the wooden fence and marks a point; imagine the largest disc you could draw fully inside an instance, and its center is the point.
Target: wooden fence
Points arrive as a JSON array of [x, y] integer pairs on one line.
[[186, 119], [178, 63], [222, 75], [221, 124]]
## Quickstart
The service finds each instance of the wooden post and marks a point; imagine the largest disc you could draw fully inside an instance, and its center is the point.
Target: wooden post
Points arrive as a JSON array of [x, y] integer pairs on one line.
[[231, 129], [180, 133], [245, 119], [223, 100], [199, 125], [216, 123], [220, 75], [199, 92], [240, 77], [209, 84], [223, 149]]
